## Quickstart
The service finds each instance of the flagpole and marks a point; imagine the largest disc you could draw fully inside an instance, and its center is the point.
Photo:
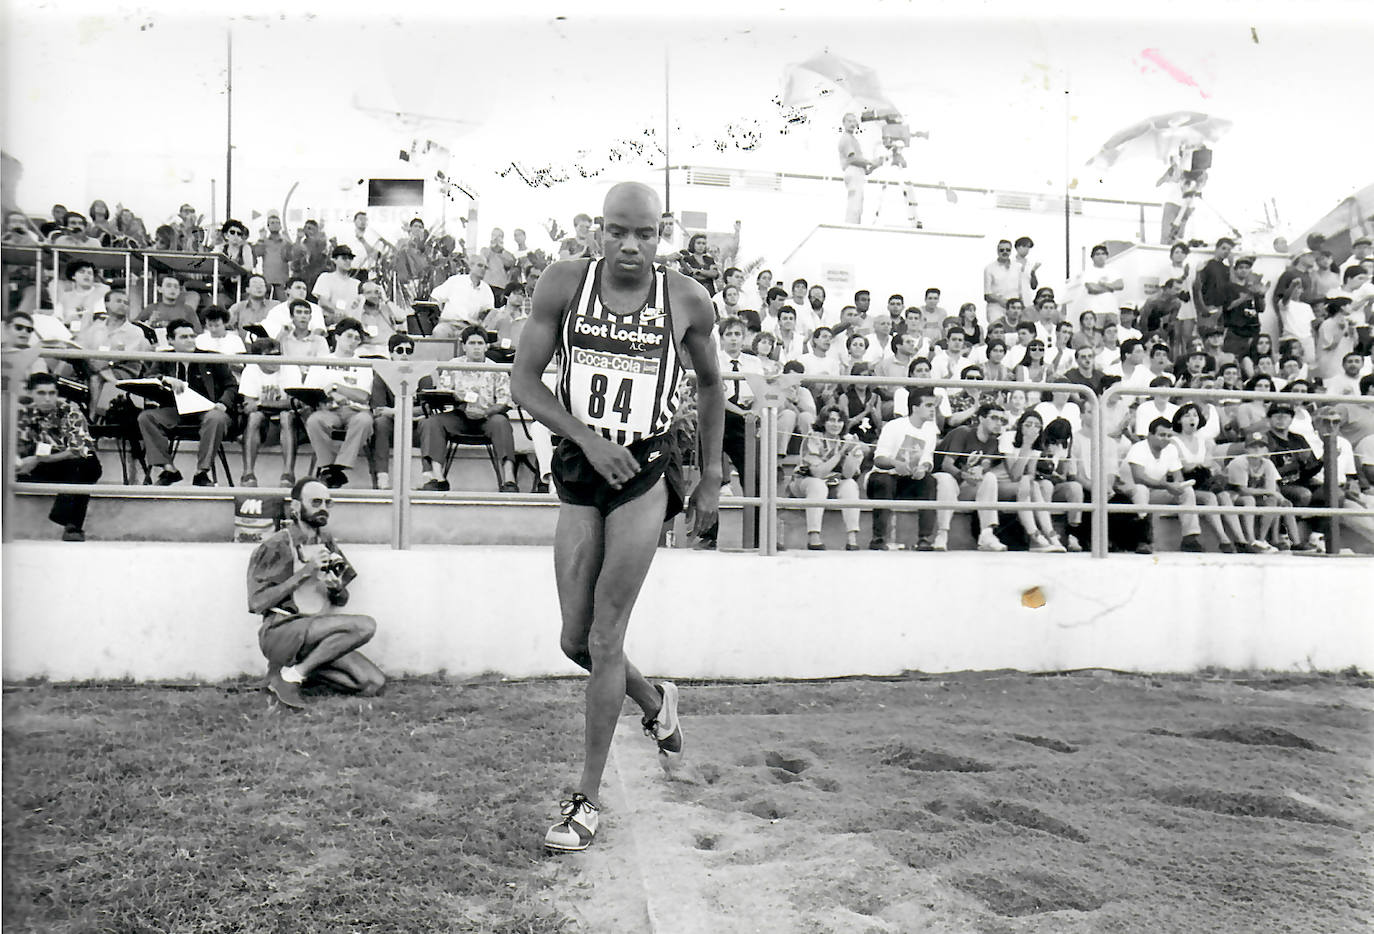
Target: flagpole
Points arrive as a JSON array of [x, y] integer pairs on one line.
[[1067, 209], [667, 133]]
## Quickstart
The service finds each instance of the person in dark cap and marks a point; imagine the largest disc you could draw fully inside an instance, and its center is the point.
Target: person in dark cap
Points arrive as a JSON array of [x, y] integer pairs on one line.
[[337, 290]]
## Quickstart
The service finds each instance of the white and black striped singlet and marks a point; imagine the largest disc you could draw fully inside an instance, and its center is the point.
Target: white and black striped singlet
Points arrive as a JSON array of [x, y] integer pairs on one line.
[[620, 374]]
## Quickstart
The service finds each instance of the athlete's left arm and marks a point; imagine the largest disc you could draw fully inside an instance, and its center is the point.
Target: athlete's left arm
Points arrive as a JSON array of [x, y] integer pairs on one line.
[[695, 305]]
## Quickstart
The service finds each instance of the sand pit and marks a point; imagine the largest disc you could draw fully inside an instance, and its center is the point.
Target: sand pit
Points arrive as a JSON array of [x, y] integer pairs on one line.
[[990, 803]]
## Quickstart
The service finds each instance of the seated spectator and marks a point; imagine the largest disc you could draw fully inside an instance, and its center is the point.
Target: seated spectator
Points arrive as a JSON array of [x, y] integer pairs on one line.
[[959, 404], [968, 323], [830, 461], [298, 340], [506, 323], [74, 232], [1021, 450], [1263, 346], [797, 414], [1157, 477], [994, 369], [81, 297], [1061, 357], [214, 382], [739, 395], [482, 400], [949, 362], [1061, 475], [1033, 367], [765, 347], [792, 343], [217, 338], [171, 305], [1135, 372], [1196, 454], [112, 332], [401, 348], [271, 418], [380, 317], [903, 462], [1254, 481], [336, 289], [818, 361], [233, 243], [54, 445], [862, 407], [1061, 405], [1153, 407], [282, 317], [252, 310], [1085, 371], [973, 468], [347, 406], [466, 300], [19, 230]]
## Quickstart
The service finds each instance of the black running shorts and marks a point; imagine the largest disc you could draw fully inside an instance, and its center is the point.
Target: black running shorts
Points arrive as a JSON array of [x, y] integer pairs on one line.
[[579, 484]]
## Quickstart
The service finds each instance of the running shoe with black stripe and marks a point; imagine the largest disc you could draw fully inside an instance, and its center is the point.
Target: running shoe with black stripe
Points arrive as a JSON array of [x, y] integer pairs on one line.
[[578, 826], [664, 728]]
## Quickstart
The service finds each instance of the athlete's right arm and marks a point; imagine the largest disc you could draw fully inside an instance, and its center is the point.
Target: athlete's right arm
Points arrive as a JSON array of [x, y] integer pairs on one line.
[[538, 340]]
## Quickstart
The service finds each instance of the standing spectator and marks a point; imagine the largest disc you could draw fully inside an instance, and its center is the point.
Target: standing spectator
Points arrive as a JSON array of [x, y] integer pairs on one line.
[[1325, 279], [466, 298], [54, 445], [1242, 304], [1026, 270], [349, 393], [973, 469], [215, 382], [366, 247], [830, 461], [101, 224], [263, 387], [1001, 282], [273, 254], [1157, 477], [401, 348], [1180, 270], [253, 309], [310, 252], [1210, 286], [189, 234], [903, 462], [699, 265], [1103, 290], [129, 229], [337, 289], [482, 400], [501, 262], [582, 244], [1336, 337]]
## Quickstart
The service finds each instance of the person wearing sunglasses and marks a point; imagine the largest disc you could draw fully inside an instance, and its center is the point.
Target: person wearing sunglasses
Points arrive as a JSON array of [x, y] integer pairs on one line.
[[401, 348]]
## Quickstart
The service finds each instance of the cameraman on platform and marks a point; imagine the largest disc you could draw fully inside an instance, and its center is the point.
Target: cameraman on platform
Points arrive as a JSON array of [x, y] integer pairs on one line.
[[297, 580]]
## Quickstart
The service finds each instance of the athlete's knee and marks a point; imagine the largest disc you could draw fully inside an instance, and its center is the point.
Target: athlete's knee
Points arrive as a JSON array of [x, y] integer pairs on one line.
[[605, 643], [575, 648]]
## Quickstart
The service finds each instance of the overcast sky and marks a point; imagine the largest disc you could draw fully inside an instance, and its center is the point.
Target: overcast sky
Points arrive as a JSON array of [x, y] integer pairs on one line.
[[126, 102]]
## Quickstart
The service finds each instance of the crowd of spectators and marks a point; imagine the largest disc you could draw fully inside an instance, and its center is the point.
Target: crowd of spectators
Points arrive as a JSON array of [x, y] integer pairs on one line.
[[995, 452]]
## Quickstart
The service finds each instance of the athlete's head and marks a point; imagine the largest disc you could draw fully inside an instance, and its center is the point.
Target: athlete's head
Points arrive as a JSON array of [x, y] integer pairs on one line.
[[630, 235]]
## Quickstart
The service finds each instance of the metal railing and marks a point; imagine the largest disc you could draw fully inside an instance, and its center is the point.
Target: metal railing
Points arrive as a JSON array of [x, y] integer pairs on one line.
[[764, 467]]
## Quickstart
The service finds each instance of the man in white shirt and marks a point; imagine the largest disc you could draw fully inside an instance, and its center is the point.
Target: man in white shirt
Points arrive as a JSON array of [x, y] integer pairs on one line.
[[768, 312], [269, 411], [366, 247], [1134, 370], [280, 317], [337, 290], [1157, 477], [856, 169], [949, 362], [1026, 270], [113, 332], [501, 262], [903, 465], [466, 299], [1103, 290], [792, 343], [217, 338], [349, 390], [1001, 281], [820, 361]]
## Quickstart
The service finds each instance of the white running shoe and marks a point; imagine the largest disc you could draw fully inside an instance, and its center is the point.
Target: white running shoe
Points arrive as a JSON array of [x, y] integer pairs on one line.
[[578, 826], [665, 729], [941, 542], [988, 541], [1038, 543]]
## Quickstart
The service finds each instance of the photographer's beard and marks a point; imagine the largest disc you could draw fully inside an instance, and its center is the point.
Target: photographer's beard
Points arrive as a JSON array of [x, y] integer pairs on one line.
[[316, 519]]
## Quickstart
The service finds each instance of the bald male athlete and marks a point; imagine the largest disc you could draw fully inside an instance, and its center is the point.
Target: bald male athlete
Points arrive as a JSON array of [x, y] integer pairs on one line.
[[624, 330]]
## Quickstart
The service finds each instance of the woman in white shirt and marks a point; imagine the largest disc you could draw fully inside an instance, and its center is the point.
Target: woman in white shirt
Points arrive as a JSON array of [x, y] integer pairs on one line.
[[1196, 454], [1021, 449], [829, 467]]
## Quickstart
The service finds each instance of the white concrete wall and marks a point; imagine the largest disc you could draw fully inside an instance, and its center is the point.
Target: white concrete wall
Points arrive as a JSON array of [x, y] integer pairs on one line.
[[163, 611]]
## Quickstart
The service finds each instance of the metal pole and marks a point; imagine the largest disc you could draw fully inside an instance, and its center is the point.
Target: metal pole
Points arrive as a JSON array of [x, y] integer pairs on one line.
[[1334, 496], [667, 133], [11, 408], [1066, 174], [1100, 491], [750, 481], [400, 483], [229, 126]]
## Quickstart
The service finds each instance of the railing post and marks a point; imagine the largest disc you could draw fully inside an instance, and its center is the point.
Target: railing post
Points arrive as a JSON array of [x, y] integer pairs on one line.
[[750, 480], [1101, 490], [1334, 497], [768, 481]]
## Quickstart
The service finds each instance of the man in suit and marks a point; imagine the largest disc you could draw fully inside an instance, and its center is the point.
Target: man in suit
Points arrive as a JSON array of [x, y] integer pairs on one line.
[[214, 381]]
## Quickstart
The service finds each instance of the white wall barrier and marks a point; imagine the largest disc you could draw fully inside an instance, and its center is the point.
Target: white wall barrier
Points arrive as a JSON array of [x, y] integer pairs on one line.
[[172, 610]]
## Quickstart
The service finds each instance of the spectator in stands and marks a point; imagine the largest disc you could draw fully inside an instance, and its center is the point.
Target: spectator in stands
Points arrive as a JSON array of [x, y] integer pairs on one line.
[[466, 300], [1242, 304], [401, 348], [1347, 382], [1021, 451], [1085, 371], [792, 342], [1210, 286], [582, 244], [974, 469], [235, 245], [347, 406], [1153, 407], [19, 333], [772, 306], [75, 232], [298, 338], [282, 317], [1134, 370], [505, 324], [968, 320], [297, 578], [739, 395], [1325, 279], [1157, 477], [1198, 458], [482, 400], [212, 381], [217, 338], [1255, 482], [815, 301], [501, 262], [1161, 312], [19, 230], [113, 332], [948, 363], [700, 265], [1059, 478], [170, 306], [54, 445], [959, 406], [273, 254], [251, 311], [765, 347], [1263, 346], [129, 229], [862, 405], [101, 224], [727, 302], [310, 252], [903, 464], [763, 284], [1180, 270], [1336, 337], [1033, 368], [819, 361], [337, 289], [1062, 356], [366, 247], [81, 297], [271, 418], [1103, 291], [189, 234], [1001, 281], [830, 461], [382, 318]]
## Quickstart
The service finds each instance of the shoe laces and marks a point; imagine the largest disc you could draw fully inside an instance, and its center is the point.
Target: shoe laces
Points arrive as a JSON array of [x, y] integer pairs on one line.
[[569, 807]]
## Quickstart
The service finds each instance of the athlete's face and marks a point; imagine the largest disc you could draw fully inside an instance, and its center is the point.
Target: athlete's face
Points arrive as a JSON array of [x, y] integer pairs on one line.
[[630, 236]]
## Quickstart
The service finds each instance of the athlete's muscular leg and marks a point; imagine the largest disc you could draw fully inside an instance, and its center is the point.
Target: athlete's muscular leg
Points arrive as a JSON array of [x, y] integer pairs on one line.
[[628, 539], [577, 562]]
